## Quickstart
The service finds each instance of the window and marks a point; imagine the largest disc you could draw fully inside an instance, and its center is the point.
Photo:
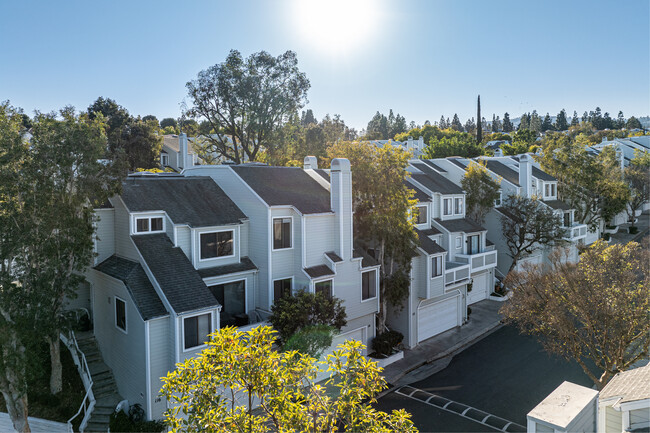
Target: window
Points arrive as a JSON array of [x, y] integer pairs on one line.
[[567, 219], [196, 330], [458, 206], [447, 206], [232, 297], [436, 266], [458, 242], [164, 160], [324, 287], [497, 202], [422, 214], [281, 288], [553, 190], [473, 244], [120, 314], [149, 225], [547, 190], [368, 285], [281, 233], [217, 244]]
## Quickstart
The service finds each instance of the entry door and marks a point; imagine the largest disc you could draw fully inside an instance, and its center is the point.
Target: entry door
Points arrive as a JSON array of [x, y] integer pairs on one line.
[[473, 244]]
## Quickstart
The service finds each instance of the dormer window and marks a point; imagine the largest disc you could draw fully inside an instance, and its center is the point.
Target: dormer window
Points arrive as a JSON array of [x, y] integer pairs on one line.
[[458, 206], [164, 160], [421, 214], [446, 206], [217, 244], [149, 225]]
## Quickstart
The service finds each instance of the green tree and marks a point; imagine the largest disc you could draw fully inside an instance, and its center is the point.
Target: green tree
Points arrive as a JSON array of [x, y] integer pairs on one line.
[[459, 144], [189, 126], [527, 226], [470, 126], [443, 123], [574, 120], [507, 124], [524, 122], [308, 118], [116, 118], [248, 100], [535, 122], [243, 367], [168, 121], [593, 310], [633, 123], [455, 124], [479, 123], [151, 118], [547, 124], [521, 142], [481, 191], [383, 225], [620, 120], [141, 144], [561, 123], [637, 175], [597, 119]]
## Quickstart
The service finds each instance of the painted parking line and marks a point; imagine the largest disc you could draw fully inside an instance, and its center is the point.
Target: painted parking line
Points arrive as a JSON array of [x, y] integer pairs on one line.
[[471, 413]]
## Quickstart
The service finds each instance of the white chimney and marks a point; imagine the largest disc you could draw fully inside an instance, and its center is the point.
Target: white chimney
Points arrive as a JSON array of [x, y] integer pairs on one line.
[[310, 163], [498, 152], [341, 201], [182, 151], [525, 175], [409, 145], [421, 143]]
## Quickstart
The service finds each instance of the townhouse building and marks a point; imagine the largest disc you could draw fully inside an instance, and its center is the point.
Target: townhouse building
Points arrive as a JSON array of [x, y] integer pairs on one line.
[[179, 256]]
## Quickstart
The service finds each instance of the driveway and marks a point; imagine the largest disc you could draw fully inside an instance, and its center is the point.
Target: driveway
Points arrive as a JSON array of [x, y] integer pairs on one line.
[[505, 375]]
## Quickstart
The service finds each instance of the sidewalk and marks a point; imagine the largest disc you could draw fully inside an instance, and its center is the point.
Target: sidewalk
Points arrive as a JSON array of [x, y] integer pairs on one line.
[[439, 350], [623, 237]]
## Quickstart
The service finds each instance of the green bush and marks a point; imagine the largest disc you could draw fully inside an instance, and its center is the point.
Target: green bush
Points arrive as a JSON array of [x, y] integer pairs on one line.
[[633, 230], [383, 344], [311, 340], [121, 422]]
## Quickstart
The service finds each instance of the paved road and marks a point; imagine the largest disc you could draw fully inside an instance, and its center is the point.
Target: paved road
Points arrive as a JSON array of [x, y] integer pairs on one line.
[[505, 374]]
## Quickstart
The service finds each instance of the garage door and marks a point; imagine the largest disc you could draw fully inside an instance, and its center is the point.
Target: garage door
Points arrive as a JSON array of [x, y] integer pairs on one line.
[[356, 334], [439, 317], [479, 289]]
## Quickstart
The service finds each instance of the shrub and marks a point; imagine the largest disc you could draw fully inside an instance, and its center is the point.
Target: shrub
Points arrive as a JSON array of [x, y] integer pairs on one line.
[[384, 343], [134, 422], [633, 230], [311, 340], [606, 236]]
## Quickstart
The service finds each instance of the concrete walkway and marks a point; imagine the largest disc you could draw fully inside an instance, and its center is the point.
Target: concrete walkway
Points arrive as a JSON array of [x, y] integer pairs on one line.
[[623, 237], [434, 354]]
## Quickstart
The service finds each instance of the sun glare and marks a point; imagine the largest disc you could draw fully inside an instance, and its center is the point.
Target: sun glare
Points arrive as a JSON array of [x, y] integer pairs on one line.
[[336, 26]]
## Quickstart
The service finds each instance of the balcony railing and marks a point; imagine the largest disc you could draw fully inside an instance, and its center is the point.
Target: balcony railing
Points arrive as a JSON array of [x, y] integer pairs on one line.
[[479, 261], [455, 272], [575, 232]]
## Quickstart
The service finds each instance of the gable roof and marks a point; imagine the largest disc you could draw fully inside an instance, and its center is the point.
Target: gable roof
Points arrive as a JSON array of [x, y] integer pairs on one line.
[[286, 186], [137, 283], [557, 204], [629, 385], [434, 166], [503, 170], [460, 225], [419, 195], [245, 264], [195, 201], [322, 173], [457, 162], [179, 281], [542, 175], [318, 271], [434, 181], [429, 246]]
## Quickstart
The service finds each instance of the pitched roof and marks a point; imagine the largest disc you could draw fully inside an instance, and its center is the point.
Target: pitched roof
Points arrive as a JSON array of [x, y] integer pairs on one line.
[[137, 283], [460, 225], [457, 162], [245, 264], [557, 204], [434, 181], [196, 201], [503, 170], [507, 213], [286, 186], [629, 385], [333, 256], [419, 195], [319, 271], [434, 166], [324, 174], [179, 281], [429, 246], [542, 175], [367, 261]]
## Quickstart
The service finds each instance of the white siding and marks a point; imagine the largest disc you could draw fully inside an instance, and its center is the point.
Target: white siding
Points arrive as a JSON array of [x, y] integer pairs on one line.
[[159, 352], [243, 236], [287, 262], [639, 416], [319, 238], [613, 420], [184, 240], [123, 244], [105, 226]]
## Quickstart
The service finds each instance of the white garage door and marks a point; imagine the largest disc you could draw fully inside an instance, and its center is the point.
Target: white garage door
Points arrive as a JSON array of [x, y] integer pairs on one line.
[[439, 317], [479, 289]]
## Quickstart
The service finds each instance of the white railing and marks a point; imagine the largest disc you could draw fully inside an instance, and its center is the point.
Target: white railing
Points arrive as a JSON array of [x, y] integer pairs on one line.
[[88, 403], [575, 232], [479, 261], [456, 272]]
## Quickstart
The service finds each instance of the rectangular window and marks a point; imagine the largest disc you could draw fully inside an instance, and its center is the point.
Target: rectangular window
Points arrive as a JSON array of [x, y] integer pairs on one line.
[[422, 214], [324, 287], [436, 266], [497, 202], [368, 285], [458, 206], [458, 242], [281, 233], [232, 297], [547, 190], [149, 225], [120, 314], [473, 244], [217, 244], [196, 330], [164, 160], [447, 206], [567, 219], [552, 190], [281, 288], [156, 224]]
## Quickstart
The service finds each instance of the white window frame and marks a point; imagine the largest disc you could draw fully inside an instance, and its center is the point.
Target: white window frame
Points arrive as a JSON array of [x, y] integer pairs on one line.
[[433, 270], [547, 190], [126, 320], [553, 190], [459, 212], [498, 201], [234, 251], [236, 280], [376, 285], [459, 242], [136, 217], [279, 279], [164, 159], [273, 234], [426, 210], [331, 280], [189, 316], [444, 207]]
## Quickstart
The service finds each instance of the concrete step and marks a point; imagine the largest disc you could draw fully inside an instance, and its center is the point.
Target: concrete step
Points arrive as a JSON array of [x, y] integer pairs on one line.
[[104, 410], [94, 427], [97, 368]]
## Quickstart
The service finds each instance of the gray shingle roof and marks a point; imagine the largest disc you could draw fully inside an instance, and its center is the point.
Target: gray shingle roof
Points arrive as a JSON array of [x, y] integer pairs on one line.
[[319, 271], [196, 201], [245, 264], [435, 182], [429, 246], [286, 186], [557, 204], [333, 256], [502, 170], [137, 283], [629, 385], [542, 175], [434, 166], [419, 195], [179, 281], [457, 162], [460, 225], [367, 259]]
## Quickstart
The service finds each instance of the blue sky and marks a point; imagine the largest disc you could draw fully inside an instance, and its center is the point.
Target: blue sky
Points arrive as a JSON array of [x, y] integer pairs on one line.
[[420, 58]]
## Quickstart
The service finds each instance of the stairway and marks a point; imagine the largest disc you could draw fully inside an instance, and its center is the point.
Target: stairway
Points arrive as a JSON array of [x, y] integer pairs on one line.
[[104, 387]]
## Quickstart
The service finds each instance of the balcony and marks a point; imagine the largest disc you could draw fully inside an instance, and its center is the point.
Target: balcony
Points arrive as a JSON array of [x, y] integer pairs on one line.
[[456, 272], [479, 261], [575, 232]]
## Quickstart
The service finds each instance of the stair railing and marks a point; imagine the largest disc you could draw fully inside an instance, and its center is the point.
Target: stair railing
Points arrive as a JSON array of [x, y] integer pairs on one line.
[[88, 403]]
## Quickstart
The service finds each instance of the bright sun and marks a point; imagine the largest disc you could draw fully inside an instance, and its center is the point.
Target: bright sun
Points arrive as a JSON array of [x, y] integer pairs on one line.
[[336, 26]]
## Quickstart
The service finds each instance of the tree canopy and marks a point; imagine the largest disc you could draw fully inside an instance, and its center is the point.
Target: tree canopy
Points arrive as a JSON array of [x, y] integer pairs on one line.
[[637, 176], [481, 189], [595, 310]]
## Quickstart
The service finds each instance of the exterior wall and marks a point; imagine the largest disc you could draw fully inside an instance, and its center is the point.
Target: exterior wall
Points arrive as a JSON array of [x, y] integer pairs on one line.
[[613, 420], [159, 361], [178, 342], [368, 323], [184, 240], [122, 352], [105, 234], [217, 261], [318, 238], [83, 299], [585, 421], [124, 246], [347, 287], [286, 262], [243, 239]]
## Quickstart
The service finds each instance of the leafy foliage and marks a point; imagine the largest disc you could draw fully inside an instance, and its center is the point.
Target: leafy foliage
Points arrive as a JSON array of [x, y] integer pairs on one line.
[[384, 343], [594, 310], [637, 175], [381, 127], [521, 142], [458, 144], [217, 390], [311, 340], [481, 191]]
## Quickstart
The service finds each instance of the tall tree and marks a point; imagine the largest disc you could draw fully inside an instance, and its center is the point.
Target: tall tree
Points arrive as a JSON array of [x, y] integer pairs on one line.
[[637, 175], [574, 120], [633, 123], [248, 100], [479, 124], [481, 189], [443, 123], [620, 120], [142, 145], [527, 226], [535, 122], [470, 126], [168, 121], [561, 123], [456, 125], [116, 118], [380, 224], [524, 121], [507, 124], [308, 117], [547, 124], [597, 119], [595, 310]]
